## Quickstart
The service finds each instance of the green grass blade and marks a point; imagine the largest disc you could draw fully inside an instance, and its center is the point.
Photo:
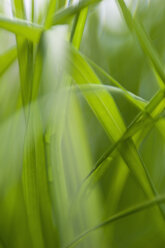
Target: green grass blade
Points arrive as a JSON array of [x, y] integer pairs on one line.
[[24, 28], [32, 10], [29, 174], [31, 190], [19, 8], [144, 41], [63, 15], [7, 59], [23, 54], [37, 190], [78, 28], [113, 81], [119, 216], [52, 7], [35, 186]]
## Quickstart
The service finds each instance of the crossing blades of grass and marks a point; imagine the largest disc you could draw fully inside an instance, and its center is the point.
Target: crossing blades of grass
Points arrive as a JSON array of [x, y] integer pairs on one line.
[[141, 122], [63, 15], [21, 27], [72, 149], [107, 113]]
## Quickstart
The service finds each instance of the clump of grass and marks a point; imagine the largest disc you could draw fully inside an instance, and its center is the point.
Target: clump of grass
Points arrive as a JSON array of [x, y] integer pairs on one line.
[[81, 156]]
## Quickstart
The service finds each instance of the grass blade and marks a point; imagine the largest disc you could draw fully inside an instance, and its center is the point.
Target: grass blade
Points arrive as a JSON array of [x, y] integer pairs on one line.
[[144, 41], [24, 28], [63, 15], [52, 7], [113, 81], [119, 216], [7, 59]]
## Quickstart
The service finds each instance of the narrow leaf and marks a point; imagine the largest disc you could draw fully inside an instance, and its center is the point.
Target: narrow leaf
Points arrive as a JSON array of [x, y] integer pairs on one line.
[[7, 59], [63, 15], [24, 28], [144, 41], [119, 216]]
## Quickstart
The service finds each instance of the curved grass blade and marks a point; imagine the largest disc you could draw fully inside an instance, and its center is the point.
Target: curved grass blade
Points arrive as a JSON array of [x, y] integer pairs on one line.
[[21, 27], [137, 101], [114, 82], [108, 115], [119, 216]]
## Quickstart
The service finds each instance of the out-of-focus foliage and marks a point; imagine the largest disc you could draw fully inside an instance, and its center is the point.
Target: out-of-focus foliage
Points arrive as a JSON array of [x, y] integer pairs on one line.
[[82, 124]]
